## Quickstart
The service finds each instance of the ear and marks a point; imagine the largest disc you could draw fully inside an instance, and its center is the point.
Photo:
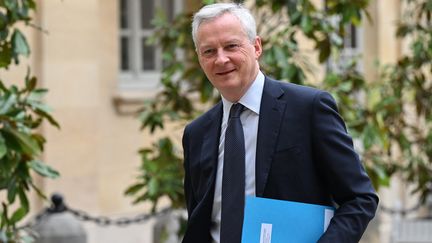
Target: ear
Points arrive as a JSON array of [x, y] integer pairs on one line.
[[258, 47]]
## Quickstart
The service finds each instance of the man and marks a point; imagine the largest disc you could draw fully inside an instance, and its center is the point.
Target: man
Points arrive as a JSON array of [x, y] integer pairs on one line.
[[289, 143]]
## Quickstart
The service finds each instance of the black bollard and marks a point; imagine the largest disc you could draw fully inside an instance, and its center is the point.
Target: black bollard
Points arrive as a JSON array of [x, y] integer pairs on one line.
[[59, 226]]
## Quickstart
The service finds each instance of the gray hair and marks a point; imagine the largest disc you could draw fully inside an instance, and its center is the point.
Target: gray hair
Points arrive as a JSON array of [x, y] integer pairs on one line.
[[211, 12]]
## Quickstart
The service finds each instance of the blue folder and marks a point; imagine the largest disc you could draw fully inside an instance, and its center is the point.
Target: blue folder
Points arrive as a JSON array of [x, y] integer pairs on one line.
[[277, 221]]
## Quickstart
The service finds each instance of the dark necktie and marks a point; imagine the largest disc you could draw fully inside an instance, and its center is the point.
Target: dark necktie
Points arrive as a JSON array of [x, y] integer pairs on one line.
[[233, 179]]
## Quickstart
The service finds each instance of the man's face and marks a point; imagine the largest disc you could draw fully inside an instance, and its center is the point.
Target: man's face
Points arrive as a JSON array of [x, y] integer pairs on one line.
[[227, 56]]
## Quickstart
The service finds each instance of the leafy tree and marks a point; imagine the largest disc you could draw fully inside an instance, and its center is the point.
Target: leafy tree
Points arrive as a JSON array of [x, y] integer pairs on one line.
[[21, 114], [391, 117]]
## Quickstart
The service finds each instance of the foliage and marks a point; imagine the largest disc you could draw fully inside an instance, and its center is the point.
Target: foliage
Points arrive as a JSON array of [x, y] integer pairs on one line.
[[21, 114], [411, 87], [389, 117], [160, 177], [325, 27]]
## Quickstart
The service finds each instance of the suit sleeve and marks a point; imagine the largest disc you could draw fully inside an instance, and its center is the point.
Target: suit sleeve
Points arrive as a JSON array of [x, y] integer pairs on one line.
[[190, 201], [343, 173]]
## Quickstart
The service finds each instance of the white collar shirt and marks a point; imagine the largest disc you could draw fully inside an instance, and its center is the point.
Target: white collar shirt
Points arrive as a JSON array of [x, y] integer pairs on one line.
[[249, 119]]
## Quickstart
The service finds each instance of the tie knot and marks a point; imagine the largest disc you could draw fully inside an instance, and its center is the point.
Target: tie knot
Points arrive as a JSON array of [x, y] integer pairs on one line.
[[236, 110]]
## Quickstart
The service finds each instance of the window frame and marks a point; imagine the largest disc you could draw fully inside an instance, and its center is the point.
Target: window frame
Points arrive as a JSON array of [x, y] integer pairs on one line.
[[136, 78]]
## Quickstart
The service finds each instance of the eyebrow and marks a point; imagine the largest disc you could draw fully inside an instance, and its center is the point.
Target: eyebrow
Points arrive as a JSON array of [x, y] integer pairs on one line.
[[234, 40]]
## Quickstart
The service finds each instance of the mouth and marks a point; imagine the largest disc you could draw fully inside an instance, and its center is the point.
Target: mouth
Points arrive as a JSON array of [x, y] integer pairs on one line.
[[225, 72]]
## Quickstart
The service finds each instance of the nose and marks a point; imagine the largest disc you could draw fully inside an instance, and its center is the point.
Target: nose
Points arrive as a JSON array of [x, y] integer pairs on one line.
[[221, 57]]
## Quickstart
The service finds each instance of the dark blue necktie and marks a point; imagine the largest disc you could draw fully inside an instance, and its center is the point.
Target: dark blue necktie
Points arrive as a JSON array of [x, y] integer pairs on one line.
[[233, 179]]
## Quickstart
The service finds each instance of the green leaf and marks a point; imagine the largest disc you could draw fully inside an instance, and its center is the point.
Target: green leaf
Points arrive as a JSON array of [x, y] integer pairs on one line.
[[3, 148], [153, 187], [369, 136], [19, 44], [132, 190], [11, 4], [281, 58], [12, 190], [23, 199], [290, 71], [324, 48], [383, 178], [3, 21], [295, 18], [38, 191], [346, 86], [3, 87], [4, 216], [43, 169], [374, 98], [208, 2], [30, 83], [5, 56], [18, 215], [43, 111], [6, 106], [403, 141], [42, 107], [27, 144], [31, 4], [37, 94], [306, 24]]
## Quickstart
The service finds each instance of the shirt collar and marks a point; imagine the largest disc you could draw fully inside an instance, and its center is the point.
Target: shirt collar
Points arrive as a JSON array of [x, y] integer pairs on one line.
[[252, 98]]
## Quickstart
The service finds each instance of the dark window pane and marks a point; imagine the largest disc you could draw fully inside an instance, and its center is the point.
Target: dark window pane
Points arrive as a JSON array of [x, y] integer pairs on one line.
[[353, 36], [168, 7], [124, 23], [350, 36], [147, 11], [125, 65], [148, 56]]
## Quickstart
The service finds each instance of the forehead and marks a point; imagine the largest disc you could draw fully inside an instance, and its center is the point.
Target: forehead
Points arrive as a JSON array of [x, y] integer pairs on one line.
[[221, 27]]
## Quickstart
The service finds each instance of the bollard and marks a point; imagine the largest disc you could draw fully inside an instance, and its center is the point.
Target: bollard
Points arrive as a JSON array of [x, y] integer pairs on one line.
[[429, 206], [167, 227], [59, 226]]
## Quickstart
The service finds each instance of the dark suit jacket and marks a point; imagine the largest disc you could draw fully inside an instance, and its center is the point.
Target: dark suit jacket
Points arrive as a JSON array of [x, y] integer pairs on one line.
[[304, 154]]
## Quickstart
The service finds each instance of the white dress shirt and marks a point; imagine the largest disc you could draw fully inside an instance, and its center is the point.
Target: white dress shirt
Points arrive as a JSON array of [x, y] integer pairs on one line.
[[249, 119]]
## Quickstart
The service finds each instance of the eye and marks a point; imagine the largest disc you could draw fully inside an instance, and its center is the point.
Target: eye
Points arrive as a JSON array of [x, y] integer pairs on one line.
[[232, 46], [207, 52]]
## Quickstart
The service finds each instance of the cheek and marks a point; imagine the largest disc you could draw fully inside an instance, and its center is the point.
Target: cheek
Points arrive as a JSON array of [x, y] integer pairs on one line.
[[247, 57], [204, 65]]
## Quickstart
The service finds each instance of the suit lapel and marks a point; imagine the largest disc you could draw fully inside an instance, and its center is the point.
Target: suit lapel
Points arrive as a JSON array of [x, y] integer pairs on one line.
[[210, 148], [271, 112], [270, 117]]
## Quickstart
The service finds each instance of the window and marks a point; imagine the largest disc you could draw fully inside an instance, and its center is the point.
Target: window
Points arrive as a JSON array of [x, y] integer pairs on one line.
[[352, 46], [140, 63]]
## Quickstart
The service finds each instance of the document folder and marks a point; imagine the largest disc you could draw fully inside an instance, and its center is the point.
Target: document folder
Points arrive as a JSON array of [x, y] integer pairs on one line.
[[277, 221]]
